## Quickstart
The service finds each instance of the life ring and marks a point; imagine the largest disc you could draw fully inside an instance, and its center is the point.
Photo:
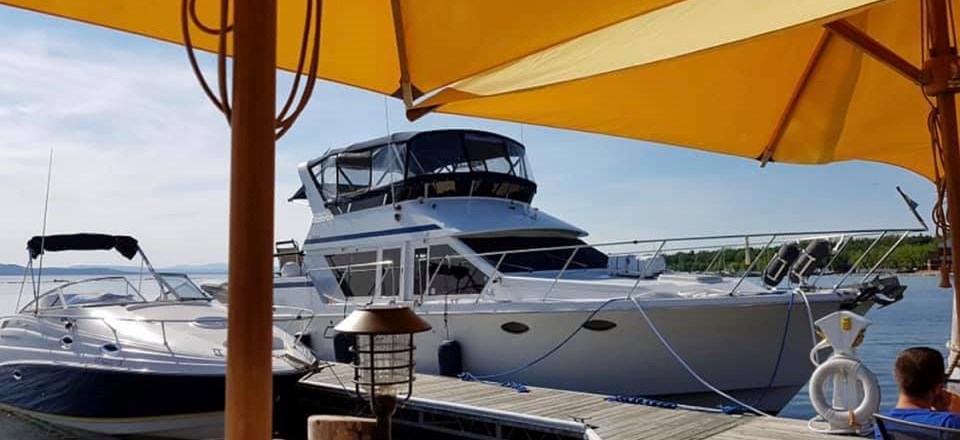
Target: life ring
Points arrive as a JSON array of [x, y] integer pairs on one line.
[[854, 418]]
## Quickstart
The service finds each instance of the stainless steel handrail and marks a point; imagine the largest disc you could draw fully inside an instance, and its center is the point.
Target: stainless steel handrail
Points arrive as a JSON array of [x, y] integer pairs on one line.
[[844, 237], [106, 320], [753, 263]]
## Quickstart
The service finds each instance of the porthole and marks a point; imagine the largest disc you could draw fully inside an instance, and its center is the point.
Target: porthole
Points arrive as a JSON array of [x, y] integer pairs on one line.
[[515, 327], [17, 375], [66, 342], [109, 348], [599, 325]]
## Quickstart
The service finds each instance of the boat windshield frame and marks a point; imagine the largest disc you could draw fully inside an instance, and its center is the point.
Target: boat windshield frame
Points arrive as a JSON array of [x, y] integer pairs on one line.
[[389, 170], [166, 288]]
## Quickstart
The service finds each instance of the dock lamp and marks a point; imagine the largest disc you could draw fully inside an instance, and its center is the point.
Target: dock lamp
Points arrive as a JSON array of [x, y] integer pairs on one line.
[[383, 357]]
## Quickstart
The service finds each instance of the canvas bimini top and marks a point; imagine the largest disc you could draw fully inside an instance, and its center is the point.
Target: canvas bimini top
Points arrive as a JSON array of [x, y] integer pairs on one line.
[[124, 244], [409, 165]]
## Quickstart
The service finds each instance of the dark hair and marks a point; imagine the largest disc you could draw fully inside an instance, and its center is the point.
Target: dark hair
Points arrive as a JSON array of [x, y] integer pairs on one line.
[[919, 370]]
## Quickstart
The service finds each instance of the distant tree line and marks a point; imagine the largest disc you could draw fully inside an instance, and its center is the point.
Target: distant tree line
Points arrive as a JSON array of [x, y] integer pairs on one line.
[[910, 255]]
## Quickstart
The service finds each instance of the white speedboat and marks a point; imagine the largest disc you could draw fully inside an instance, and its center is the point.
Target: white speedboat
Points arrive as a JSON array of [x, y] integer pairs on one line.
[[142, 355], [443, 221]]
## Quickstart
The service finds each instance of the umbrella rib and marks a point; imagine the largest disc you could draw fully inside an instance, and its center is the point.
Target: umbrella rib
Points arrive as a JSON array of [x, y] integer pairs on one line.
[[798, 90], [406, 89], [853, 35]]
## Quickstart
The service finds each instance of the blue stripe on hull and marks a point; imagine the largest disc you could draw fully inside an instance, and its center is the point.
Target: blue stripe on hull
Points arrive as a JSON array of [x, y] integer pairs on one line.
[[371, 234], [281, 284]]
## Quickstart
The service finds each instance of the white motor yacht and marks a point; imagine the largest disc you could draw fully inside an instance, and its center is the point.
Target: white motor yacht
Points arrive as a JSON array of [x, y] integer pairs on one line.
[[443, 221], [141, 354]]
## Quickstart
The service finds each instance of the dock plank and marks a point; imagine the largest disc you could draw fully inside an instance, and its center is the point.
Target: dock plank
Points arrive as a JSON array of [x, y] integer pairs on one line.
[[609, 420]]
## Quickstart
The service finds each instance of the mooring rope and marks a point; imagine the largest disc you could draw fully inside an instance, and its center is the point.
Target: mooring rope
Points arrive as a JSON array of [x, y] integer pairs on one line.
[[666, 404], [686, 366], [221, 99], [783, 343], [549, 352], [467, 376]]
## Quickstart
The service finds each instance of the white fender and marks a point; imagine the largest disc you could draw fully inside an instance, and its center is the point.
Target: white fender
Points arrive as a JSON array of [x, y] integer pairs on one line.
[[856, 417]]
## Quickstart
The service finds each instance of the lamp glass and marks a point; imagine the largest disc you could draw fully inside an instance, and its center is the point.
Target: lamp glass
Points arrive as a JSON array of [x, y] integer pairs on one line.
[[384, 363]]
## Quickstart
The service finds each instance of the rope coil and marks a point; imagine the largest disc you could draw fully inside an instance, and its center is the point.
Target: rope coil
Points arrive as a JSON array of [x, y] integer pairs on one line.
[[221, 98]]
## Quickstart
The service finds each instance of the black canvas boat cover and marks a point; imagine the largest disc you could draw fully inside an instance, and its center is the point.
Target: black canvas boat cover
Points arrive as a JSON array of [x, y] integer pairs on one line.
[[124, 244]]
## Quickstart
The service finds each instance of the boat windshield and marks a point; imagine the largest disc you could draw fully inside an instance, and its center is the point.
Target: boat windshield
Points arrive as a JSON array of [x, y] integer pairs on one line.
[[90, 292], [180, 287], [463, 152], [118, 290], [540, 257]]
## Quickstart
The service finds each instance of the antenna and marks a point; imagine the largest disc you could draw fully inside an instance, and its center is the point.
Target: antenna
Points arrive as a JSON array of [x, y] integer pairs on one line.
[[386, 121], [43, 232], [386, 114], [912, 205]]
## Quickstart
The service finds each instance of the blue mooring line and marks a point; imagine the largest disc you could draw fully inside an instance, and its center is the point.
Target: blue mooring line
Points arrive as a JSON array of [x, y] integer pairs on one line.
[[783, 342], [726, 409], [519, 387], [656, 403], [545, 355]]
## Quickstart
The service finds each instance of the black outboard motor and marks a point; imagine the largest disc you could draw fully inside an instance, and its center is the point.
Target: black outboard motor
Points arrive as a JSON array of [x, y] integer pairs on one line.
[[779, 265], [883, 290], [815, 256]]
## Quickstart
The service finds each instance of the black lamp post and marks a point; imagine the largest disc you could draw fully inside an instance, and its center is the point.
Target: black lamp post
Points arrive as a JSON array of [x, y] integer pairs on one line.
[[383, 363]]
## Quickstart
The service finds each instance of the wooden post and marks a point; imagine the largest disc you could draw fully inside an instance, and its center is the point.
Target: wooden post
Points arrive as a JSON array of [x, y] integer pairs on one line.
[[942, 58], [340, 428], [249, 335]]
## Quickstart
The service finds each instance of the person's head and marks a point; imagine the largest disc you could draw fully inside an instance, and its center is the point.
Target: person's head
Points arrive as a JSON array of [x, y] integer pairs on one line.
[[919, 372]]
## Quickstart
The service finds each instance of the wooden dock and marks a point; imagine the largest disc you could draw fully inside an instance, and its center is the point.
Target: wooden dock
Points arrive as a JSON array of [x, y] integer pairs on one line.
[[452, 408]]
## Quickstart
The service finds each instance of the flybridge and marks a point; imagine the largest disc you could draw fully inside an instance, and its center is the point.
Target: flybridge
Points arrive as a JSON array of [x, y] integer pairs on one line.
[[405, 166]]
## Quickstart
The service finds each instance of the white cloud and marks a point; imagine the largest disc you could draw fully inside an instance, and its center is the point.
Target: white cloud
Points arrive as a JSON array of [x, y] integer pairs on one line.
[[137, 148]]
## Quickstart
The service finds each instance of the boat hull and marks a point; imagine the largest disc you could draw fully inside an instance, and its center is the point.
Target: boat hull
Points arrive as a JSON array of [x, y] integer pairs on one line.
[[118, 402], [733, 343]]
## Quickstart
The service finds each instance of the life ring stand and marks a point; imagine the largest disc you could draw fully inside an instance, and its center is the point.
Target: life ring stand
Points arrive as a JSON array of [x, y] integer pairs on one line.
[[857, 419]]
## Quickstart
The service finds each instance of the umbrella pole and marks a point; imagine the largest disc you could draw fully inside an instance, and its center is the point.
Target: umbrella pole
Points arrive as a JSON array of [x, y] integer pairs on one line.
[[250, 318], [942, 57]]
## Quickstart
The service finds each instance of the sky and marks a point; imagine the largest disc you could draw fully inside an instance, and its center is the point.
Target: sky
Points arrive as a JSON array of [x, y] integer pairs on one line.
[[139, 150]]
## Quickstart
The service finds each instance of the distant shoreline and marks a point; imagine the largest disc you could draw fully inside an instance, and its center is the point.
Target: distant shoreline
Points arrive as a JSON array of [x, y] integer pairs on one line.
[[17, 270]]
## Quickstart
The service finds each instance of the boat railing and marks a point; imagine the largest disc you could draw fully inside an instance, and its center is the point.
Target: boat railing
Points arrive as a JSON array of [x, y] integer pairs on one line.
[[653, 248], [281, 314]]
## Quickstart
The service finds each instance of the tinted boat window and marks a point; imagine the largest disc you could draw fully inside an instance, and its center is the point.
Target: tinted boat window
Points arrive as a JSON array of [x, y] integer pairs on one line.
[[586, 257], [437, 153], [463, 152], [387, 166], [390, 286], [356, 273], [487, 153], [353, 172], [450, 277], [329, 169]]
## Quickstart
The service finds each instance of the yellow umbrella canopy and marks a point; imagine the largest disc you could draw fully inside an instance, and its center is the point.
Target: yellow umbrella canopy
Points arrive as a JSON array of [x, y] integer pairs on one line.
[[778, 81], [364, 43], [806, 82], [801, 81]]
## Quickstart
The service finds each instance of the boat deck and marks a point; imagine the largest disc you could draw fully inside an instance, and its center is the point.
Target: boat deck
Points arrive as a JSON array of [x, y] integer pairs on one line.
[[452, 408]]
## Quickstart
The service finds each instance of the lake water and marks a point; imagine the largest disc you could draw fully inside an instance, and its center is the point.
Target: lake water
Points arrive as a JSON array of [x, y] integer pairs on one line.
[[922, 318]]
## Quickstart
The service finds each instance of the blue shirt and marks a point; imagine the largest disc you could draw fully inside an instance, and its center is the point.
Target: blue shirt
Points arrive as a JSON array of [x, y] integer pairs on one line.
[[923, 416]]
